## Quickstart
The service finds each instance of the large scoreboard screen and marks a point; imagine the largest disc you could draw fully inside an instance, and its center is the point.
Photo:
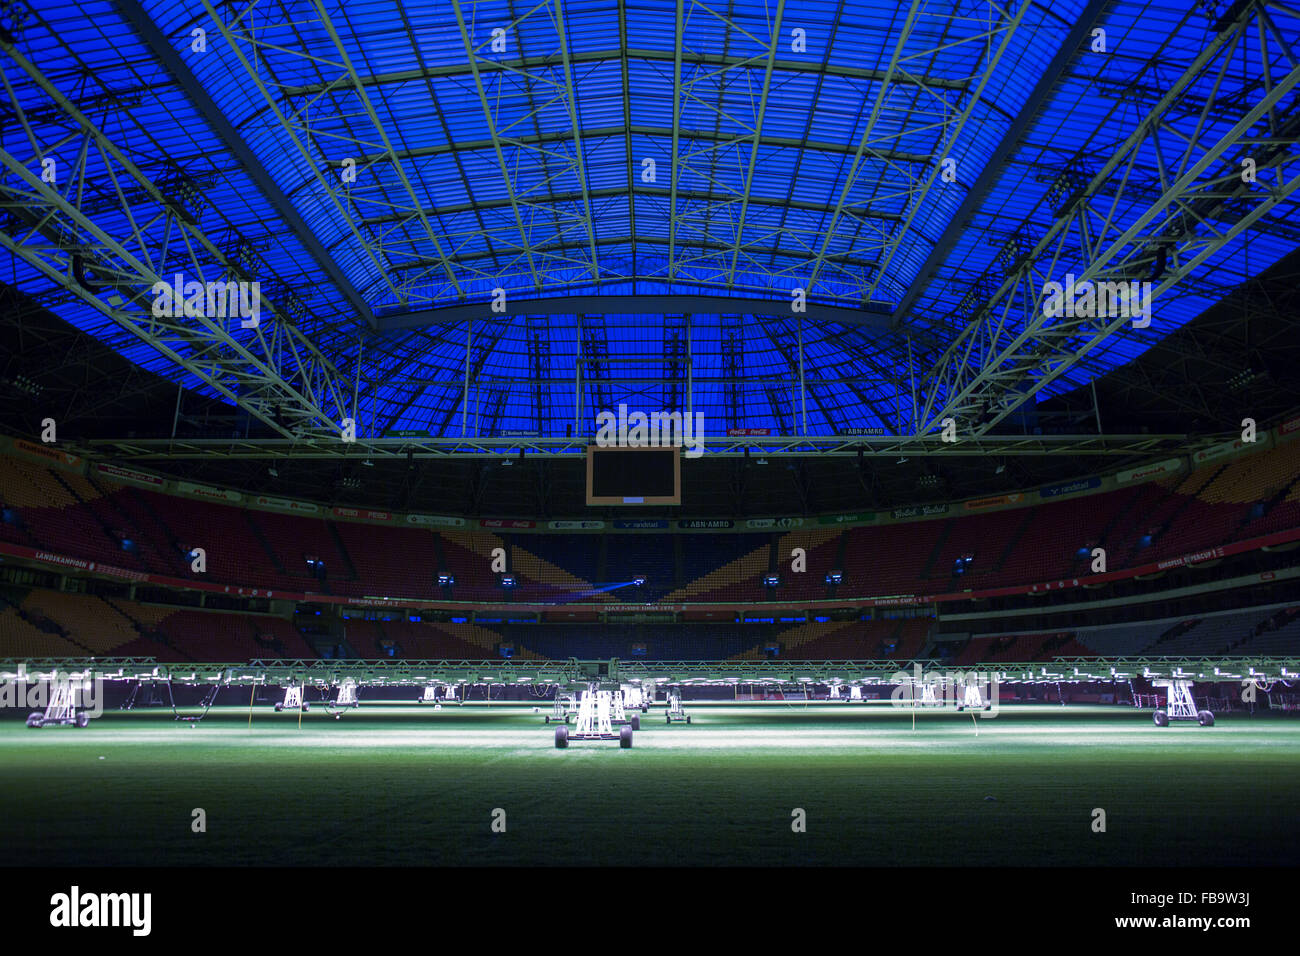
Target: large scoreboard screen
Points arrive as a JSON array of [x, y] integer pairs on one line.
[[634, 476]]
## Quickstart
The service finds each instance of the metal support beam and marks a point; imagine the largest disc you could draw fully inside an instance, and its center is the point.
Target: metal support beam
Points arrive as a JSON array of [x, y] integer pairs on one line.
[[632, 305], [1012, 349], [1123, 446], [273, 371], [135, 14], [995, 167]]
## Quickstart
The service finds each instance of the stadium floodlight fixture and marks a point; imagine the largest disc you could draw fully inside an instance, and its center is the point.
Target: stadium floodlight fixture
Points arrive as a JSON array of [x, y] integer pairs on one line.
[[446, 580], [508, 581], [834, 577], [639, 580]]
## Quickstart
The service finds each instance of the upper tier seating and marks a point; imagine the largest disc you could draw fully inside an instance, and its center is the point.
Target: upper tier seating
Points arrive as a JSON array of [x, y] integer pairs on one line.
[[89, 518]]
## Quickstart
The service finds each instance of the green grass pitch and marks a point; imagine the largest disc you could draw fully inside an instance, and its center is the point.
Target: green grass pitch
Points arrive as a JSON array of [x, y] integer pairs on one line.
[[407, 785]]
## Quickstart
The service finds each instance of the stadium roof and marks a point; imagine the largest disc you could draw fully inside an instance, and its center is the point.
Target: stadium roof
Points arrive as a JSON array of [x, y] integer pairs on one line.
[[647, 183]]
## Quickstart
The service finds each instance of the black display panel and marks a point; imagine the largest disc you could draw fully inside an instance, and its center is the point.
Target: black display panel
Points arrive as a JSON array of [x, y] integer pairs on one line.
[[634, 476]]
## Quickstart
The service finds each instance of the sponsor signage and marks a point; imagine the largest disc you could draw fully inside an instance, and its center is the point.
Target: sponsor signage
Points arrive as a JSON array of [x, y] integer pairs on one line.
[[1218, 451], [920, 511], [436, 521], [643, 525], [362, 514], [407, 433], [1167, 467], [705, 524], [1289, 426], [749, 432], [1069, 487], [993, 502], [847, 519], [284, 504], [576, 525], [203, 491], [519, 433], [861, 432], [505, 523], [774, 523], [49, 454], [126, 474]]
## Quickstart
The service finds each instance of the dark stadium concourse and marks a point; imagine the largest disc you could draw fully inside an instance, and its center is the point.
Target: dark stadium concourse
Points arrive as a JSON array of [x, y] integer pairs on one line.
[[775, 433]]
